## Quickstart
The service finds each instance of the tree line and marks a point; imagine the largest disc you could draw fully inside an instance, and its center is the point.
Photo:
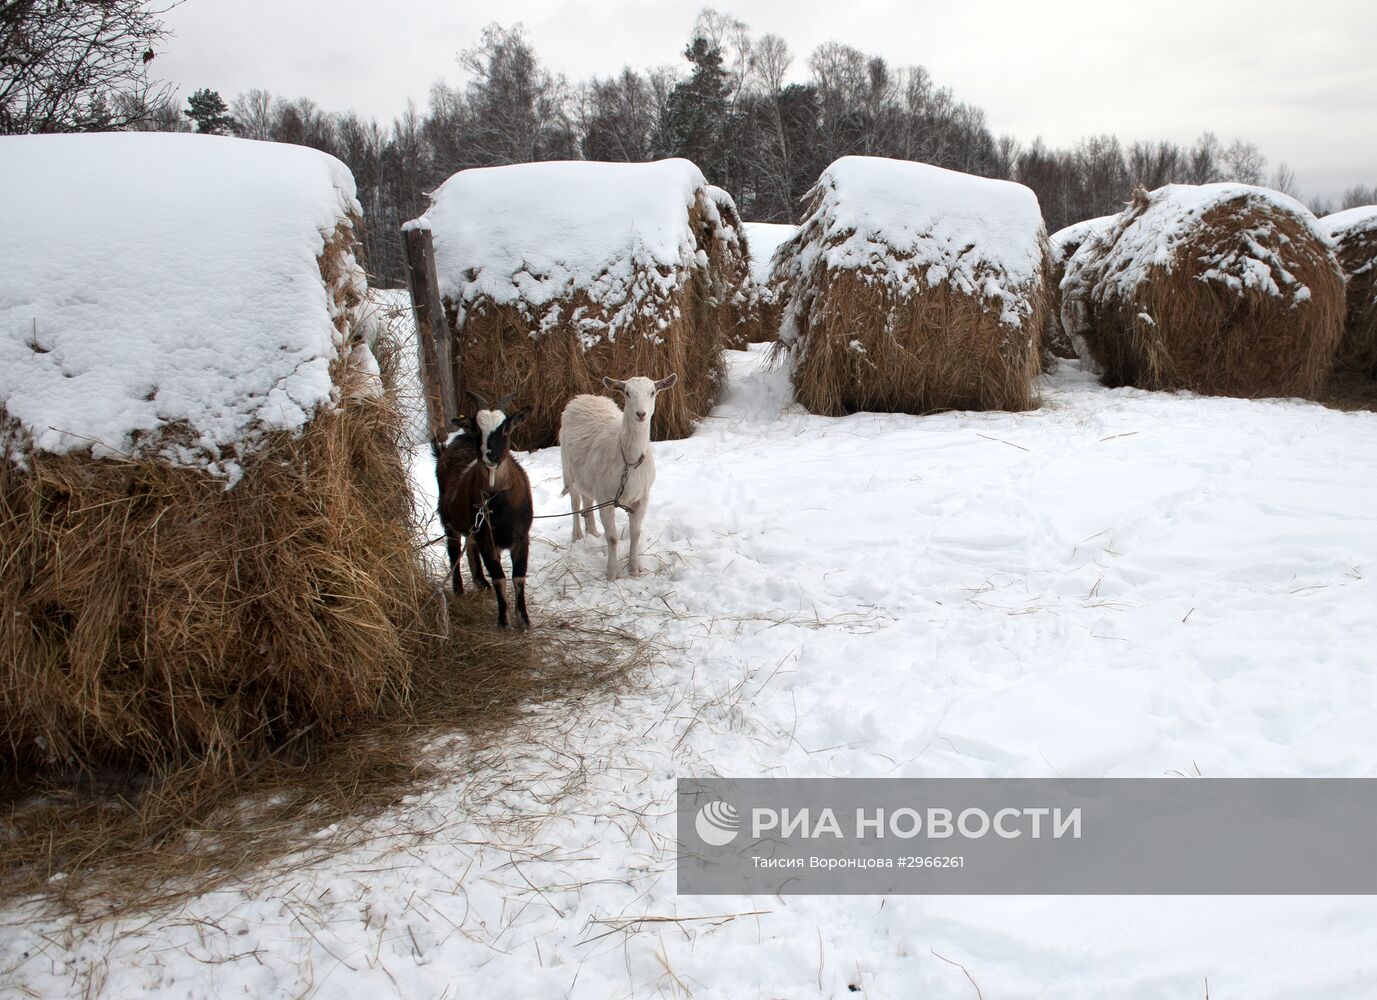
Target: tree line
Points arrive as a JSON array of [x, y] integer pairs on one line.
[[729, 106]]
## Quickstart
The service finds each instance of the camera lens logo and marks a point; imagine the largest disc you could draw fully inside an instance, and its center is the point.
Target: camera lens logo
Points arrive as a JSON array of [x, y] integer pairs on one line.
[[717, 824]]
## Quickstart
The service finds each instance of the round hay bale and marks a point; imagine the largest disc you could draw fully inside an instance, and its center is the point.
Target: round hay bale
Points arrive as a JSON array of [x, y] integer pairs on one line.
[[1225, 289], [555, 275], [1057, 340], [205, 517], [764, 240], [1355, 236], [911, 288]]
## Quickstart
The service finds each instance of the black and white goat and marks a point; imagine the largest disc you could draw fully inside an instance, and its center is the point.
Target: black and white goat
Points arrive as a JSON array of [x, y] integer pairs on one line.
[[485, 502], [605, 452]]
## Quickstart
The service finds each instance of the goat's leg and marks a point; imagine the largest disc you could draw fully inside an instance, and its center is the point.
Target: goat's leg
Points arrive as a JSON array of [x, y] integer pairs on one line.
[[609, 527], [590, 516], [475, 567], [521, 547], [633, 559], [575, 505], [456, 558], [492, 559]]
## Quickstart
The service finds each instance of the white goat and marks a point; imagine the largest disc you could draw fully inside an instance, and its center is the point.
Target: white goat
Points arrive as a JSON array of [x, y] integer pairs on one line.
[[605, 450]]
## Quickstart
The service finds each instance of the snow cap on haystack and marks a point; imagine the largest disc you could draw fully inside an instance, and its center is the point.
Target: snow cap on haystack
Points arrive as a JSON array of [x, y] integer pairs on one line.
[[1218, 288], [913, 288], [556, 274], [1067, 241], [1354, 232], [204, 515], [159, 281]]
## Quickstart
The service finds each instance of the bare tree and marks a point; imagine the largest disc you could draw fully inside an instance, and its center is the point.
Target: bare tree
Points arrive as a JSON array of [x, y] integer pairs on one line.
[[770, 61], [1244, 163], [254, 113], [618, 118], [1320, 207], [515, 110], [1204, 166], [1359, 195], [1284, 180], [78, 65]]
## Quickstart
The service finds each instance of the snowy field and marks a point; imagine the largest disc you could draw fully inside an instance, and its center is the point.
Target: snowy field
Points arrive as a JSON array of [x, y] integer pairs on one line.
[[1117, 584]]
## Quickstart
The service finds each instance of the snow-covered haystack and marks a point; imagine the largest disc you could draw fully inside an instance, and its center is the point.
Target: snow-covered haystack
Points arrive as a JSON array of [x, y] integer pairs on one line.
[[1219, 288], [764, 239], [203, 513], [911, 288], [1057, 340], [1355, 236], [557, 274]]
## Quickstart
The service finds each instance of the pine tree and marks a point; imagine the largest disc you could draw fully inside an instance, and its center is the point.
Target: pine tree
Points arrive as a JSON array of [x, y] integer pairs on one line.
[[695, 123], [210, 113]]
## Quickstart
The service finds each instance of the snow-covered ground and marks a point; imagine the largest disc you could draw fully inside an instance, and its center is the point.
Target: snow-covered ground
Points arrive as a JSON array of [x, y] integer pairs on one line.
[[1119, 583]]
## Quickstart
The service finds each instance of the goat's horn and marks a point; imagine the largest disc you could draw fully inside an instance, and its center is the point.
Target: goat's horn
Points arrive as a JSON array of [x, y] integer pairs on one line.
[[482, 403], [505, 401]]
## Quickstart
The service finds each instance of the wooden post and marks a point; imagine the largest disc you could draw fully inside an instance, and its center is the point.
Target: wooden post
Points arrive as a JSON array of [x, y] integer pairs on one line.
[[432, 331]]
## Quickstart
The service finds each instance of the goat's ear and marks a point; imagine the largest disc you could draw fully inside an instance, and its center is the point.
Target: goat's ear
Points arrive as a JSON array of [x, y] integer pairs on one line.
[[457, 423], [616, 385], [482, 403], [519, 416], [437, 448], [667, 382]]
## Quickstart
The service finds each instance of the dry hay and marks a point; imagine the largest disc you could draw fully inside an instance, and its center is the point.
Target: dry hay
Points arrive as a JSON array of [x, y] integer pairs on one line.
[[1186, 321], [763, 314], [767, 298], [767, 311], [335, 682], [1357, 253], [502, 348], [149, 615], [858, 343], [126, 840]]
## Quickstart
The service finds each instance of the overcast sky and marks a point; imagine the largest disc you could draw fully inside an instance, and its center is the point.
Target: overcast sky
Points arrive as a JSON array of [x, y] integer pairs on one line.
[[1297, 79]]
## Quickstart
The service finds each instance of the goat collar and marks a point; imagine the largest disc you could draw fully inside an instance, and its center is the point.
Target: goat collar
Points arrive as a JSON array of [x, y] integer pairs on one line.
[[630, 464]]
